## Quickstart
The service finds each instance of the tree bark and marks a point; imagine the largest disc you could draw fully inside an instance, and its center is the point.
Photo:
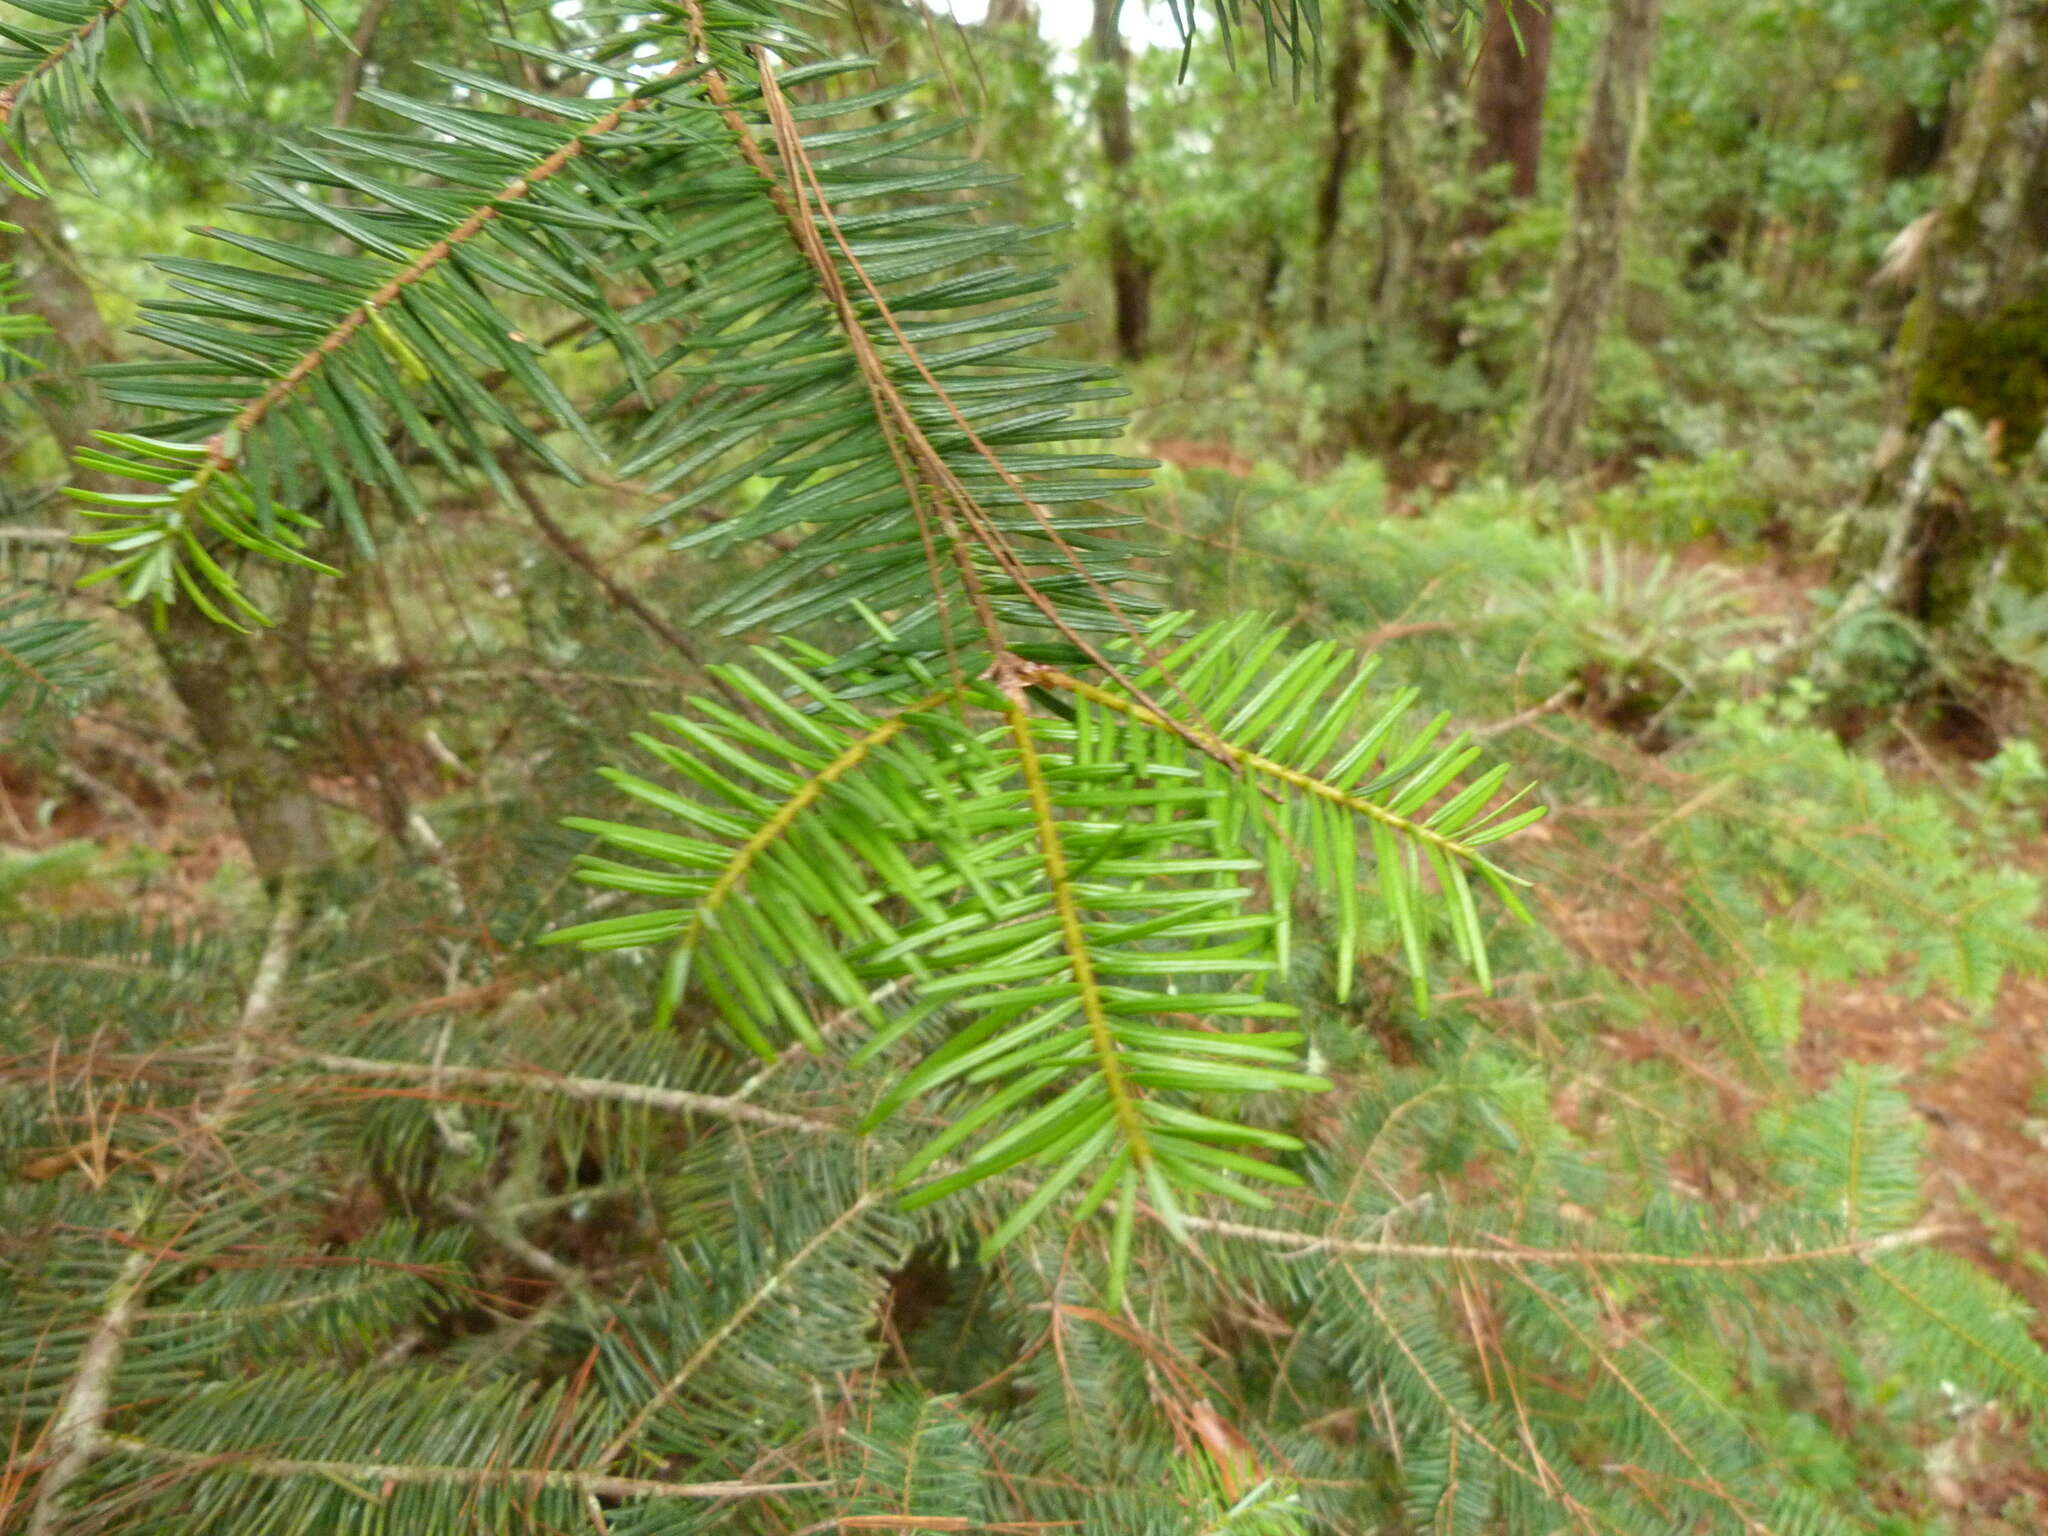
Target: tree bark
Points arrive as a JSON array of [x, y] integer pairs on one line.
[[1130, 271], [216, 673], [1399, 192], [1589, 264], [1514, 77], [1347, 67], [1976, 334]]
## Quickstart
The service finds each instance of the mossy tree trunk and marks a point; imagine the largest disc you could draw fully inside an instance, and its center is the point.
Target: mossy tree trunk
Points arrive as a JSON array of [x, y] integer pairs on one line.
[[216, 673], [1976, 334], [1130, 270], [1347, 67], [1589, 264], [1975, 338]]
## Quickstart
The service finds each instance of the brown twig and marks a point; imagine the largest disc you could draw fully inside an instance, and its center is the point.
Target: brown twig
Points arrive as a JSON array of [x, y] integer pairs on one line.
[[539, 1479], [594, 1089], [577, 555]]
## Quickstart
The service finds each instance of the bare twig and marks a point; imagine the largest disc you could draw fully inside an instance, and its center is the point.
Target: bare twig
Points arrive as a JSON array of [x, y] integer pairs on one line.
[[75, 1437], [77, 1434], [260, 1006], [1549, 706], [675, 1100], [584, 561], [1508, 1253], [549, 1479]]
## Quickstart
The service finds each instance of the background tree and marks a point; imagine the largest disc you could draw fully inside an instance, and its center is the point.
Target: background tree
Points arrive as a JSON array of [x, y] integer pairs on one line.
[[1130, 269], [1347, 69], [1975, 337], [1511, 80], [1589, 263]]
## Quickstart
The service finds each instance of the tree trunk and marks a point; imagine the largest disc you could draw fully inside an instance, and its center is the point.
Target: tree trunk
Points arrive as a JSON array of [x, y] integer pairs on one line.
[[218, 676], [1346, 68], [1130, 273], [1399, 193], [1514, 76], [1976, 335], [1589, 264], [216, 673]]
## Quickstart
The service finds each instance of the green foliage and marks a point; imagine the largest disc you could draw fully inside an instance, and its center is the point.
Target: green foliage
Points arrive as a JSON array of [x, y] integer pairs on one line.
[[1674, 501], [45, 660], [1074, 889], [394, 1221]]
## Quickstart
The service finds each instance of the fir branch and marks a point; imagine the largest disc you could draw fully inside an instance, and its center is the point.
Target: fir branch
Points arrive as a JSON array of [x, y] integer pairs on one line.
[[1460, 1426], [1130, 1118], [11, 95], [223, 450], [1244, 757], [734, 1321]]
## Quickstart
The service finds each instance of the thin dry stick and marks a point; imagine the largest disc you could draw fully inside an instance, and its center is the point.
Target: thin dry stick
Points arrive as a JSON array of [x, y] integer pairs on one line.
[[537, 1478], [674, 1100], [77, 1434], [265, 989], [1513, 1254], [580, 557]]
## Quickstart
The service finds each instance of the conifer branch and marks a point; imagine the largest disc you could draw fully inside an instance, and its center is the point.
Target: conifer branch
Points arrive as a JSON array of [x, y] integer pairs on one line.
[[1243, 757], [224, 449], [733, 1322], [10, 97], [1130, 1118], [1461, 1426]]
